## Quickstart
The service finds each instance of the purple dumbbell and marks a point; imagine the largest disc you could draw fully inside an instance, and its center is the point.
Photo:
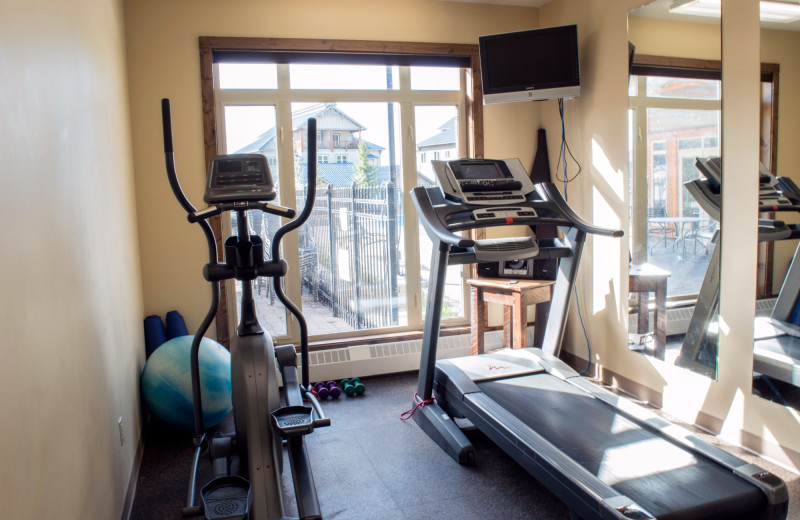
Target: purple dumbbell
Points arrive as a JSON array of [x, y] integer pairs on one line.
[[333, 389], [322, 390]]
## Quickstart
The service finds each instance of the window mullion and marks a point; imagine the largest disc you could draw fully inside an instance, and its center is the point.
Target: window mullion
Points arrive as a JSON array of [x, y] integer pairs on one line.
[[409, 161], [639, 186], [288, 197]]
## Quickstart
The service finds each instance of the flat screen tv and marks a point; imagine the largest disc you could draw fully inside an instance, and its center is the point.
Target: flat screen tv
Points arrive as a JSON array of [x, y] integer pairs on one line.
[[530, 65]]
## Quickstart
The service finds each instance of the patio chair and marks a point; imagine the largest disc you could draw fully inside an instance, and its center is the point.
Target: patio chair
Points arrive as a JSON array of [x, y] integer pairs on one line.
[[662, 231]]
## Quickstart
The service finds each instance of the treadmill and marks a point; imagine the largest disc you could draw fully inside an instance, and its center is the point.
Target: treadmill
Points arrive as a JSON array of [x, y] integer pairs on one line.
[[602, 455], [776, 347]]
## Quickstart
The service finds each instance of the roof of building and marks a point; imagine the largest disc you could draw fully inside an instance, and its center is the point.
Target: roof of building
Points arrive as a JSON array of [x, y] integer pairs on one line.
[[446, 135], [266, 141], [300, 118]]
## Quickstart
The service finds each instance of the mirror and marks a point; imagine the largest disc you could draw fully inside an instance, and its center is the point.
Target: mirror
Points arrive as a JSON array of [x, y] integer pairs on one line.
[[674, 118], [776, 346]]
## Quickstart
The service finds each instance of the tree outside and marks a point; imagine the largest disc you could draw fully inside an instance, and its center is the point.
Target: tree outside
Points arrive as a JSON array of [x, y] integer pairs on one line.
[[366, 172]]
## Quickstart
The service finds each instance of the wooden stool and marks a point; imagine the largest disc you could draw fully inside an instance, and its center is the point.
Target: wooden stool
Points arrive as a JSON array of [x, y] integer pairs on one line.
[[515, 298], [646, 278]]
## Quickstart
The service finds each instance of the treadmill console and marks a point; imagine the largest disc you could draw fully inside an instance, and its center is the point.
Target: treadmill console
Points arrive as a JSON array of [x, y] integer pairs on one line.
[[239, 177], [484, 182]]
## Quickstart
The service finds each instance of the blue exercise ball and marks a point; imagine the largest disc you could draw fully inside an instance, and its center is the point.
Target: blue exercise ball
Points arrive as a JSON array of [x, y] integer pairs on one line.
[[167, 383]]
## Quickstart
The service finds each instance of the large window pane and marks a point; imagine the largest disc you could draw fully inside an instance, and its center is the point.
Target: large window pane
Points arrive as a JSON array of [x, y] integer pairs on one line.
[[248, 75], [251, 129], [678, 230], [343, 77], [437, 139], [435, 78], [353, 272], [352, 259]]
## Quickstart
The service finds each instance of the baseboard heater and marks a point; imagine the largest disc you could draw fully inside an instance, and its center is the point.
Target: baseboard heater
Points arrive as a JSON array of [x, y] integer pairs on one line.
[[390, 358], [678, 318], [403, 356]]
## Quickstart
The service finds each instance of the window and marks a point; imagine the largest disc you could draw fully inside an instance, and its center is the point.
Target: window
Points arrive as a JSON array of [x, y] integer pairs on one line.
[[362, 269], [678, 119]]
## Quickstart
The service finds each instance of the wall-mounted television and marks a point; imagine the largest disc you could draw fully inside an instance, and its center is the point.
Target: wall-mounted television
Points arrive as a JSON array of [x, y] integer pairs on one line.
[[530, 65]]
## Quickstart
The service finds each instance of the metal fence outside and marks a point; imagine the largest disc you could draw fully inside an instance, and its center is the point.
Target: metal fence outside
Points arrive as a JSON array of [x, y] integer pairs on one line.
[[350, 253]]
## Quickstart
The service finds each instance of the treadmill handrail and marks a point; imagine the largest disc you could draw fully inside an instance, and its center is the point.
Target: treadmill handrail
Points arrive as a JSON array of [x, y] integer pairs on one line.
[[428, 215], [549, 191]]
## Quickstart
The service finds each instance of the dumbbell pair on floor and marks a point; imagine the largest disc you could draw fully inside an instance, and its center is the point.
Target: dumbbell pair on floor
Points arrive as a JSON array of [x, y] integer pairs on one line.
[[352, 387]]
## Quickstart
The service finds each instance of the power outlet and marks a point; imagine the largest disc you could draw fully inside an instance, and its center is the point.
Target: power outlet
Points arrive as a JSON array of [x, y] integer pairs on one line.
[[121, 432]]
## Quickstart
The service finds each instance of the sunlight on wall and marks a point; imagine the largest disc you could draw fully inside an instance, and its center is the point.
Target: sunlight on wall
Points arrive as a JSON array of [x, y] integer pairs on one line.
[[605, 253], [734, 420], [603, 166], [682, 400]]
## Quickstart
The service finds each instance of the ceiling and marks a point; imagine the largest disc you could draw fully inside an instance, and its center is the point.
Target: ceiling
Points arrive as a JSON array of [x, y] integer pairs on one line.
[[656, 9], [660, 9]]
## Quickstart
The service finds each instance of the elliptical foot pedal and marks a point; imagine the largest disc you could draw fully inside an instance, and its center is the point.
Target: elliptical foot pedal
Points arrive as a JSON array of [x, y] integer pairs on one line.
[[227, 498], [292, 421]]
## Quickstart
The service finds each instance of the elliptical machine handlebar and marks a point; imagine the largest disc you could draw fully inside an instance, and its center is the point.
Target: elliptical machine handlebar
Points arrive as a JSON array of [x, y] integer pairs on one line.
[[275, 248], [169, 155], [266, 207], [222, 272]]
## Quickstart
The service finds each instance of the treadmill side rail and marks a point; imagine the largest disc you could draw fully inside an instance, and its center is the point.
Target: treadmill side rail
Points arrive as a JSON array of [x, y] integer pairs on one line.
[[772, 486]]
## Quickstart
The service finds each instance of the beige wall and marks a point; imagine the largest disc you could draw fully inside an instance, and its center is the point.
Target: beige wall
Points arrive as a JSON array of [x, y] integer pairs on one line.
[[163, 62], [72, 301], [596, 125], [671, 38]]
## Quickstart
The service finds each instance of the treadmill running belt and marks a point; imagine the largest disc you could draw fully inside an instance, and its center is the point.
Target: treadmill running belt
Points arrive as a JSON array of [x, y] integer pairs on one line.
[[667, 480]]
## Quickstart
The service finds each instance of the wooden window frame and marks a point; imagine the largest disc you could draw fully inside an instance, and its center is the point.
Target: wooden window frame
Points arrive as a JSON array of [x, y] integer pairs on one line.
[[210, 44]]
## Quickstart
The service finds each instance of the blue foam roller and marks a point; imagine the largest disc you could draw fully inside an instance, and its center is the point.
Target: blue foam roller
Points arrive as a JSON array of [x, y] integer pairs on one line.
[[176, 327], [154, 334]]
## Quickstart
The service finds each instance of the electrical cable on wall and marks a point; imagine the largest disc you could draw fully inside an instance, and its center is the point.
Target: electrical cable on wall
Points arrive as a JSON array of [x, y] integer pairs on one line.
[[563, 151], [562, 162]]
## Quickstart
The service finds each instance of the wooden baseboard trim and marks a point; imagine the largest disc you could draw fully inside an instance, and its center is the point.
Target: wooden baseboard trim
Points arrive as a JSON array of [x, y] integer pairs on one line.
[[130, 494]]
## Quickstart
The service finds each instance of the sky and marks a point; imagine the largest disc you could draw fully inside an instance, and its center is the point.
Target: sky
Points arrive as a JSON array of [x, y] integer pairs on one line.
[[245, 123]]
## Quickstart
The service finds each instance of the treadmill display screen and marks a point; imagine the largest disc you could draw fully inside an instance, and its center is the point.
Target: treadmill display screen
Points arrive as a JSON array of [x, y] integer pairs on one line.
[[487, 170]]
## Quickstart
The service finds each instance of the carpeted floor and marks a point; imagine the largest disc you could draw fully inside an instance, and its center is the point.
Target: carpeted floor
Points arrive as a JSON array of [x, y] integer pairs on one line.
[[371, 465]]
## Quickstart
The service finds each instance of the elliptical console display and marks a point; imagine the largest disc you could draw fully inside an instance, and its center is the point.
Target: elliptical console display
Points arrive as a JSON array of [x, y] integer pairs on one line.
[[239, 177]]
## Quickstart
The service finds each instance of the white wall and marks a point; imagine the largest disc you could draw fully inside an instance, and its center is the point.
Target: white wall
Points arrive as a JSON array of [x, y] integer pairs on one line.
[[72, 302]]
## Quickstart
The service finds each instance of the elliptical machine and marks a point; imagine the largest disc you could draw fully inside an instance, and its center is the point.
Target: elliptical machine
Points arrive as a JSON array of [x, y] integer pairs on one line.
[[248, 463]]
